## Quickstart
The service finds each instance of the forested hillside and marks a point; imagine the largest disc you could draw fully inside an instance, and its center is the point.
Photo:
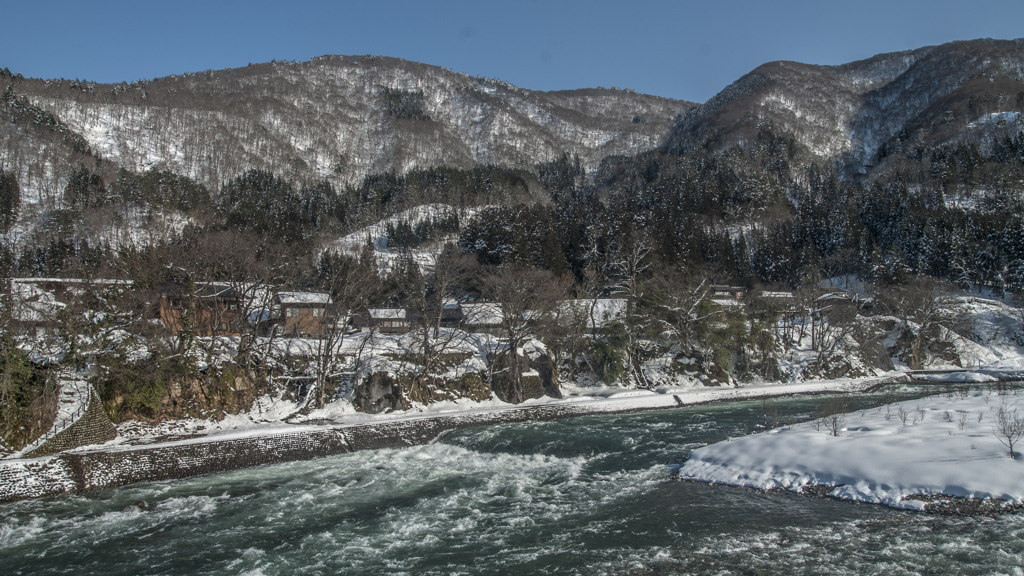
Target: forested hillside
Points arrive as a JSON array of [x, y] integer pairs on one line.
[[901, 175]]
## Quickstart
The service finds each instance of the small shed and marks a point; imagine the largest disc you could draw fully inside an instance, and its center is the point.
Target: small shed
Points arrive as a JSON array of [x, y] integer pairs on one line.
[[484, 318], [389, 320], [302, 313]]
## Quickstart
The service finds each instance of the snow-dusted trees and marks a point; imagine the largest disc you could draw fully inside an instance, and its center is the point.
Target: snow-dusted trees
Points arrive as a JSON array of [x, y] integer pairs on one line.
[[351, 283], [631, 265], [24, 394], [522, 235], [404, 104], [925, 308], [682, 308], [85, 189], [10, 200], [433, 299], [526, 298]]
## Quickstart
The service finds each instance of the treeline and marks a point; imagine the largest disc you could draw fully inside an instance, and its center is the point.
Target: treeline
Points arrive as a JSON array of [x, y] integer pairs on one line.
[[756, 216], [97, 211]]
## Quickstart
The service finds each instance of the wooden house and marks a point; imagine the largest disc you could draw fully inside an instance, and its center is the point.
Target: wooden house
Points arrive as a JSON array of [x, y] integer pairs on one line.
[[727, 293], [483, 318], [386, 320], [211, 309], [301, 313]]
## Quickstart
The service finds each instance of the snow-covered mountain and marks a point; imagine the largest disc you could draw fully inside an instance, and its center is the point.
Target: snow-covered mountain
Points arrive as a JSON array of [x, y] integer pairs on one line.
[[851, 113], [332, 117], [344, 117]]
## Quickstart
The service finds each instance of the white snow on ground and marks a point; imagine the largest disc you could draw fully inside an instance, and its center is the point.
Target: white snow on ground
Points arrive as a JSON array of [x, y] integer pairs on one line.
[[73, 401], [877, 457], [378, 234], [267, 415], [957, 377]]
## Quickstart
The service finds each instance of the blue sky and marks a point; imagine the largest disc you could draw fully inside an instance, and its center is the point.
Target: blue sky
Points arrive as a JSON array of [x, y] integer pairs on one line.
[[683, 49]]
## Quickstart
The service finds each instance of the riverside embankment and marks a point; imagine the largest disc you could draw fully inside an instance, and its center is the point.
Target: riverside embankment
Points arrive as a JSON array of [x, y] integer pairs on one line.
[[114, 465]]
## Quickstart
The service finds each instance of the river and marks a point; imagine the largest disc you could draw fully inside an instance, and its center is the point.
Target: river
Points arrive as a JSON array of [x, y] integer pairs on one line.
[[589, 495]]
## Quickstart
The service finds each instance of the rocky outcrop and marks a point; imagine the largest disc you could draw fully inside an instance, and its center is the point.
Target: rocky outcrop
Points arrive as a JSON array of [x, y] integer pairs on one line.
[[538, 381], [378, 393], [230, 392], [383, 392]]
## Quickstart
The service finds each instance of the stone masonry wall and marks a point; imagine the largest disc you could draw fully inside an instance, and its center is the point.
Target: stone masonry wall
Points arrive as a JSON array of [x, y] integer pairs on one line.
[[106, 469], [94, 427], [82, 471]]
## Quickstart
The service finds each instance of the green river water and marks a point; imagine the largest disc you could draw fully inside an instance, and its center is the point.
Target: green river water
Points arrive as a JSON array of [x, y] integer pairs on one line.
[[588, 495]]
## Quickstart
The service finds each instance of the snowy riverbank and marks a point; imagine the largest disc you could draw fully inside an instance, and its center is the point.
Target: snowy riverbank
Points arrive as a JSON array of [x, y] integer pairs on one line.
[[936, 445], [270, 416], [193, 448]]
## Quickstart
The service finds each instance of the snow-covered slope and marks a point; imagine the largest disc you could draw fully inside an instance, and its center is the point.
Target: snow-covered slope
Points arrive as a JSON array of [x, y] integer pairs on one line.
[[846, 113], [337, 117], [377, 235]]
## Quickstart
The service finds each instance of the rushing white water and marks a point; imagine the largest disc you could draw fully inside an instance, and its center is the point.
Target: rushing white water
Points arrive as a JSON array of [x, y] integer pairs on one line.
[[590, 495]]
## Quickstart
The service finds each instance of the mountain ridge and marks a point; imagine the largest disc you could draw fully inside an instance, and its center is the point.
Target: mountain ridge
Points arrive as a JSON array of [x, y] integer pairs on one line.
[[846, 113], [342, 118]]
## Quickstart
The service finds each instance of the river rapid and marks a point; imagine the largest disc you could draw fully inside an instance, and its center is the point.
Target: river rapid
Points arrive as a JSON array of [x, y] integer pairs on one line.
[[589, 495]]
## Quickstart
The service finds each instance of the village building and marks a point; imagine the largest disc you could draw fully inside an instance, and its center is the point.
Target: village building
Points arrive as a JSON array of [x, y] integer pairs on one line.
[[483, 318], [386, 320], [722, 292], [302, 313], [212, 309], [36, 303]]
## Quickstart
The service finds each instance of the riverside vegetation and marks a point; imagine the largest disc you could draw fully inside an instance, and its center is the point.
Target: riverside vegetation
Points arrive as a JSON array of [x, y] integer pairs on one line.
[[914, 212]]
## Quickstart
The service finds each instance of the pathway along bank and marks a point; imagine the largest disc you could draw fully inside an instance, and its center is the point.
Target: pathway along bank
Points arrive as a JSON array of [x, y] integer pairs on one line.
[[73, 472]]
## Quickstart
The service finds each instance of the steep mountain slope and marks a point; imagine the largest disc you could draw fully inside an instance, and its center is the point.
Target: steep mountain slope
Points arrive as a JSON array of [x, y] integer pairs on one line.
[[851, 113], [334, 116]]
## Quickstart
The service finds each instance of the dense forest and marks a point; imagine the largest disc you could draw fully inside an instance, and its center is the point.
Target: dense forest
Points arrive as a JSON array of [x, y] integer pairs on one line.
[[744, 217], [750, 205]]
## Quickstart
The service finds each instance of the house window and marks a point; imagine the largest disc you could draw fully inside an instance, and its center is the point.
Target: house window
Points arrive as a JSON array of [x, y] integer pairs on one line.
[[292, 312], [232, 306], [317, 312]]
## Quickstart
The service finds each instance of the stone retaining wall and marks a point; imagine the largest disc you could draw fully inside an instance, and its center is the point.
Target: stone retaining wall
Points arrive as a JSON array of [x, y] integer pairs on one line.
[[79, 472], [94, 427], [107, 469]]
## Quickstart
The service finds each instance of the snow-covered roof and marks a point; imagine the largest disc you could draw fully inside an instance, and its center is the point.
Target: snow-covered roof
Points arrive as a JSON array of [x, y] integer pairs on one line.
[[776, 294], [304, 298], [604, 312], [482, 313], [834, 296], [387, 313], [104, 281], [726, 302], [31, 303]]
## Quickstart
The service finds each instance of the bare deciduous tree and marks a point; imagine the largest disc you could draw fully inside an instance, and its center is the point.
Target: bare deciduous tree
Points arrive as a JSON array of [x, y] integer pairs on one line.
[[433, 290], [683, 306], [1009, 427], [525, 297], [630, 268], [922, 307], [832, 416], [351, 284]]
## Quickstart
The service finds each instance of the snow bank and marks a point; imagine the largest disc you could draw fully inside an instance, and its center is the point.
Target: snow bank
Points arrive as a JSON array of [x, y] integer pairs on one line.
[[957, 377], [270, 416], [946, 446]]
